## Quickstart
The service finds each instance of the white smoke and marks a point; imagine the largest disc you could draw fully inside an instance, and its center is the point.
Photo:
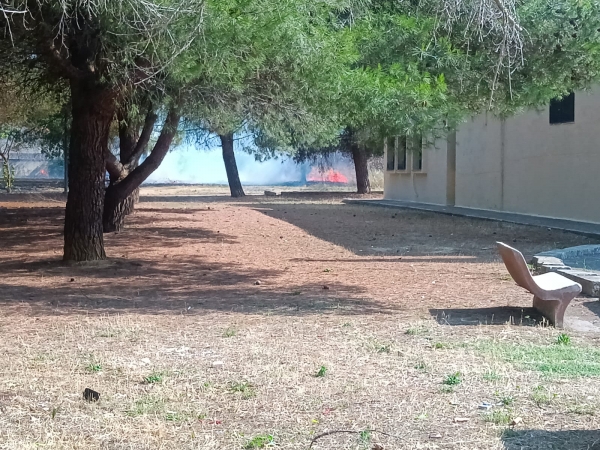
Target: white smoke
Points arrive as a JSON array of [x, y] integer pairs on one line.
[[191, 165]]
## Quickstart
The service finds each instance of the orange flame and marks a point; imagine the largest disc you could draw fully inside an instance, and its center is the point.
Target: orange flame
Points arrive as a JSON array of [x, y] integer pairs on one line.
[[330, 176]]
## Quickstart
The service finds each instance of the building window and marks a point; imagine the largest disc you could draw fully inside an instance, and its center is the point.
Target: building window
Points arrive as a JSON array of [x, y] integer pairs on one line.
[[396, 152], [390, 152], [416, 150], [401, 152], [563, 110]]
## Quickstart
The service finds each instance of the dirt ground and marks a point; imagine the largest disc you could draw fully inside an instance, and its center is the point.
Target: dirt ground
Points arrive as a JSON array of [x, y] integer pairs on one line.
[[263, 322]]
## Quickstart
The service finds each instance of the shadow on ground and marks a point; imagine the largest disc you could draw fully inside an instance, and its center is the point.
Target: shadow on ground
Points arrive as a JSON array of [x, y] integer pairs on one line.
[[488, 316], [148, 273], [555, 440], [369, 231]]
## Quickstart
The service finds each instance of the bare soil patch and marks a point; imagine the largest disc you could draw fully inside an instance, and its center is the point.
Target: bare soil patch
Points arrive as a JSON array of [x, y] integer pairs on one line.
[[188, 351]]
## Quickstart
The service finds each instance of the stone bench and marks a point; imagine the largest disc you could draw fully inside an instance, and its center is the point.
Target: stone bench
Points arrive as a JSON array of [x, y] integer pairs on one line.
[[552, 292]]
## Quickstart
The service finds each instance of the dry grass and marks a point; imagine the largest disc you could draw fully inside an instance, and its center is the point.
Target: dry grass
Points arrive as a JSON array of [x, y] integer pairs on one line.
[[187, 353]]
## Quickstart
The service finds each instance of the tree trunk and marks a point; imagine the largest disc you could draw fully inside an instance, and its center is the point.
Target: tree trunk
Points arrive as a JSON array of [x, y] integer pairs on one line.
[[233, 177], [131, 146], [361, 167], [121, 196], [93, 110]]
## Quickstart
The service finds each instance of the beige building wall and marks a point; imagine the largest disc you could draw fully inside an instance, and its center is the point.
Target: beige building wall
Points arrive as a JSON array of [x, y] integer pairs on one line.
[[478, 163], [523, 164], [425, 186]]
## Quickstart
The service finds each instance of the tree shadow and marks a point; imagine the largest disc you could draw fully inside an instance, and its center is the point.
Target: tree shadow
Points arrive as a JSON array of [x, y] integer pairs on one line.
[[374, 231], [192, 286], [593, 306], [555, 440], [500, 315]]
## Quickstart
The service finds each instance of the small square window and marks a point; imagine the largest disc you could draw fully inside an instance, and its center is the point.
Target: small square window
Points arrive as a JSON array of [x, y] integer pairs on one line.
[[563, 110]]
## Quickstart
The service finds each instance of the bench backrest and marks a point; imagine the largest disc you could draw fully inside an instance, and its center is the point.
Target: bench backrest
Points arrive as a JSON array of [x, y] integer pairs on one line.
[[516, 266]]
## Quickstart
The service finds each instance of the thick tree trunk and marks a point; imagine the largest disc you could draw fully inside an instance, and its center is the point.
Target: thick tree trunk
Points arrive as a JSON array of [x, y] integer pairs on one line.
[[361, 167], [122, 195], [233, 177], [92, 108]]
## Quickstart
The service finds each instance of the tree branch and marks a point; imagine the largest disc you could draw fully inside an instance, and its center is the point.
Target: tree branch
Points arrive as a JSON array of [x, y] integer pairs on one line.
[[120, 191], [68, 69], [114, 167], [144, 138]]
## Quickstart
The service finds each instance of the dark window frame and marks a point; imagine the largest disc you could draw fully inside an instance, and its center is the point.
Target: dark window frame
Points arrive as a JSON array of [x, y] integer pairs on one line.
[[562, 110]]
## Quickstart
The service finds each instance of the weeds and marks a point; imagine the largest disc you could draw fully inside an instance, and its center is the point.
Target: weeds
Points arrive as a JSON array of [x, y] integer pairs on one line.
[[507, 400], [453, 379], [491, 375], [541, 396], [321, 372], [385, 348], [260, 441], [365, 436], [146, 405], [154, 377], [498, 417], [230, 332], [93, 367], [563, 339], [245, 388]]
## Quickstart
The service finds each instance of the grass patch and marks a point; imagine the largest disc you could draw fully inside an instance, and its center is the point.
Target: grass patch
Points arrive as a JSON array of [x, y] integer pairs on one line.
[[415, 331], [440, 345], [93, 367], [245, 388], [507, 400], [498, 417], [146, 405], [321, 372], [365, 436], [384, 348], [563, 339], [154, 377], [541, 396], [453, 379], [491, 375], [173, 416], [583, 410], [229, 332], [564, 361], [421, 365], [260, 441]]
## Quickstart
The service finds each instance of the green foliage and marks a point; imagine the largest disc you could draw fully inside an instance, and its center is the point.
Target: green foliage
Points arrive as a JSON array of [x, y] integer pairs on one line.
[[93, 367], [230, 332], [260, 441], [541, 396], [563, 339], [365, 436], [498, 417], [321, 372], [453, 379], [154, 377]]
